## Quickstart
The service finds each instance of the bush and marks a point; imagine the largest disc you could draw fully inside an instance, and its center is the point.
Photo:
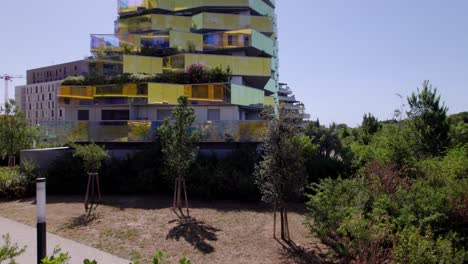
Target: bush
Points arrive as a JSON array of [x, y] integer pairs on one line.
[[415, 247], [17, 182], [387, 213]]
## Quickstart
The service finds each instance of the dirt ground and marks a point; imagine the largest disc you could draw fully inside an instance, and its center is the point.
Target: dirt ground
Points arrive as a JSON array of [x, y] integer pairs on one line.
[[136, 227]]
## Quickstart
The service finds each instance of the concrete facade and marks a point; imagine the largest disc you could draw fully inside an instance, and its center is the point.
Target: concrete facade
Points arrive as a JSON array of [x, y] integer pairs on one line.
[[57, 72], [39, 102]]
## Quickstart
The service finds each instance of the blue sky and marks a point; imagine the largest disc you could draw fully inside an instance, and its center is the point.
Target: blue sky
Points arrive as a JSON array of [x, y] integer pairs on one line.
[[342, 58]]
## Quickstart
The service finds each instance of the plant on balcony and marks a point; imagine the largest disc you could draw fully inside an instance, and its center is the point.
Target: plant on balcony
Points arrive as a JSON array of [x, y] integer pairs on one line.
[[195, 73], [179, 148]]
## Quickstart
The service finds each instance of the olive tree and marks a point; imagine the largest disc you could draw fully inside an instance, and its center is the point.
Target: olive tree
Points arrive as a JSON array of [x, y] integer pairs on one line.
[[179, 147], [281, 175]]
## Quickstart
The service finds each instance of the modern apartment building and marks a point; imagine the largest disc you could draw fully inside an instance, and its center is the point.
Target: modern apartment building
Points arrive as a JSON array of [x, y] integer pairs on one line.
[[288, 99], [39, 102], [239, 34], [57, 72], [163, 37], [38, 99]]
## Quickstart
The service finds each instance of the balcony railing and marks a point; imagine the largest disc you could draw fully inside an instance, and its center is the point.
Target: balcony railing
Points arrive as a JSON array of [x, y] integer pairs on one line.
[[92, 92], [144, 131]]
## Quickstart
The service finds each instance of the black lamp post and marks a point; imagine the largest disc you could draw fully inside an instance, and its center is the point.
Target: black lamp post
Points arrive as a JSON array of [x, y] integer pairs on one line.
[[41, 219]]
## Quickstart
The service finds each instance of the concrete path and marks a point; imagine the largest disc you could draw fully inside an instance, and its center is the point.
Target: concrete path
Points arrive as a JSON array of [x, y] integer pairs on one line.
[[26, 236]]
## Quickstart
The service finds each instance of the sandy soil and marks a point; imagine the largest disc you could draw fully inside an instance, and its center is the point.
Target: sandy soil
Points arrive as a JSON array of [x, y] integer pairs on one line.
[[136, 227]]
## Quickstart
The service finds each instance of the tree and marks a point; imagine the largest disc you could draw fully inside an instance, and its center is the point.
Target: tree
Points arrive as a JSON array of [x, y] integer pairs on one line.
[[15, 134], [370, 125], [281, 174], [429, 120], [179, 147], [92, 156]]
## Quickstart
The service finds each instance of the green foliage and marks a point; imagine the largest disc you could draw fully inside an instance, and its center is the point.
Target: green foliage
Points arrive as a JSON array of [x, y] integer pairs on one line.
[[92, 156], [178, 140], [389, 212], [429, 119], [15, 134], [370, 125], [87, 261], [393, 143], [18, 182], [416, 246], [204, 75], [281, 176], [160, 258], [8, 251], [58, 257]]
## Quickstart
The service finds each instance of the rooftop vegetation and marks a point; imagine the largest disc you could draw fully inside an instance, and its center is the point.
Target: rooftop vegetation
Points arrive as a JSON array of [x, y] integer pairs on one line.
[[196, 73]]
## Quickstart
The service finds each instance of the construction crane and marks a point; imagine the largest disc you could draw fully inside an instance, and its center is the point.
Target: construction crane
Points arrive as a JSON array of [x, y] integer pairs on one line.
[[8, 78]]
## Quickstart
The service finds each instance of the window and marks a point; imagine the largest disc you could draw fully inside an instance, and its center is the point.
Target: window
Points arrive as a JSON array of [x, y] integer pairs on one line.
[[83, 115], [115, 114], [52, 113], [214, 114], [50, 96], [60, 112], [164, 113], [230, 40]]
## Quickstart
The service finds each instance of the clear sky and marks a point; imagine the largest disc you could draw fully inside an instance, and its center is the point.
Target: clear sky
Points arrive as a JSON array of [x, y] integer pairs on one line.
[[342, 58]]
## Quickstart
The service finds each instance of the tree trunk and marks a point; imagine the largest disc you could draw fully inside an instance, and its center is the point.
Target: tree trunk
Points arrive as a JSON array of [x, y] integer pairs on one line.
[[11, 161], [282, 222], [274, 220], [180, 187]]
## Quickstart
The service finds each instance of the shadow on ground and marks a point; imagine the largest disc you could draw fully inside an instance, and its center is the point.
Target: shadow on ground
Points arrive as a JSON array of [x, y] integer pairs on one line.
[[301, 255], [197, 233], [80, 221]]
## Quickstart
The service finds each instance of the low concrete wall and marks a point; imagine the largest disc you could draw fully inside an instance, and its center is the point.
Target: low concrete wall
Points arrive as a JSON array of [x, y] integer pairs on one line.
[[43, 158]]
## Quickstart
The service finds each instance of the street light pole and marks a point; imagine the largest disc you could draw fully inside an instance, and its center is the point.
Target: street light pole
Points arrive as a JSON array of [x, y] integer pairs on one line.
[[41, 219]]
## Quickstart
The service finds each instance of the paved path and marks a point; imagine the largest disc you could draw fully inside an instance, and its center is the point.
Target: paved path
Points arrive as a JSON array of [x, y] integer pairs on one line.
[[26, 236]]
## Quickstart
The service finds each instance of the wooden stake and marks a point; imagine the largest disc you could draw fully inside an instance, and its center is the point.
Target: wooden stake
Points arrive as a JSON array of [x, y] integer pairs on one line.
[[186, 199], [274, 220]]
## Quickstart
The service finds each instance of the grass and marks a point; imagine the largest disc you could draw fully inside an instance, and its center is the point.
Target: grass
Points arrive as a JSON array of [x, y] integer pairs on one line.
[[136, 227]]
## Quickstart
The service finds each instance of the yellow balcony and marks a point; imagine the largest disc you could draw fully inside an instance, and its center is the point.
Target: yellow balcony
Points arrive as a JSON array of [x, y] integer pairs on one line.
[[154, 22], [240, 65], [76, 92], [90, 92], [270, 101], [215, 21], [142, 64], [163, 93]]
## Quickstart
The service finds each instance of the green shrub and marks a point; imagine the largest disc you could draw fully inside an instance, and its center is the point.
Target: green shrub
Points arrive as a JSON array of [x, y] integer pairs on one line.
[[9, 252], [415, 247], [17, 182], [387, 213]]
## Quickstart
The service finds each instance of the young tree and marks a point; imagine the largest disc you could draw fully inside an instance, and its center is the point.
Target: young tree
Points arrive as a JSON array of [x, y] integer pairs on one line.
[[179, 147], [92, 156], [281, 174], [15, 134], [429, 120]]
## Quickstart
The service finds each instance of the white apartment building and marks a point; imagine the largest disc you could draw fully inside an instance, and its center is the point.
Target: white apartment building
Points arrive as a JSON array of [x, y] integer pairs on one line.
[[39, 102]]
